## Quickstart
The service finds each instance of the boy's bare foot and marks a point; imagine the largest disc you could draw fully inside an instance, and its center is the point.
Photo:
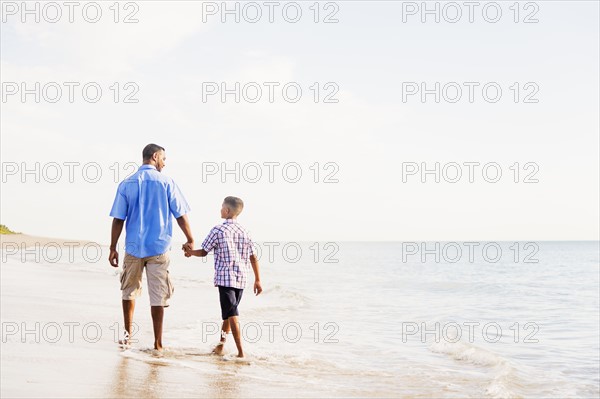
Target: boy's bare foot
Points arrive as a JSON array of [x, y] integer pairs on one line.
[[218, 349], [240, 355], [157, 352]]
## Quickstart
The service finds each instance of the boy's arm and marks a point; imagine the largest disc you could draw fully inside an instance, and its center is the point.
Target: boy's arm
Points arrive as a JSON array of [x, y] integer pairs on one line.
[[195, 252], [256, 270], [208, 243]]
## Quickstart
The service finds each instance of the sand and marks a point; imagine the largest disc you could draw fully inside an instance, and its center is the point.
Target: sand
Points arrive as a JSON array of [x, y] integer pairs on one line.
[[61, 321], [9, 241]]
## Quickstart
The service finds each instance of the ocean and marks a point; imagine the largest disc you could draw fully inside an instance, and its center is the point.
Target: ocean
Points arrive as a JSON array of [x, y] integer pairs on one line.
[[337, 319]]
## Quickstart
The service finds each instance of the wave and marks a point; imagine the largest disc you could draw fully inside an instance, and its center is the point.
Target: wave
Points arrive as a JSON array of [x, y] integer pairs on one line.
[[504, 374], [285, 298]]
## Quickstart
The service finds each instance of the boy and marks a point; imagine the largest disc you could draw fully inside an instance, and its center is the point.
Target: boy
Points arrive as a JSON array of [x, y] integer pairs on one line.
[[233, 252]]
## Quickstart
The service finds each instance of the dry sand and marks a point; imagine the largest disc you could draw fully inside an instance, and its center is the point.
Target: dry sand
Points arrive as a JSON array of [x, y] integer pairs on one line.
[[19, 241]]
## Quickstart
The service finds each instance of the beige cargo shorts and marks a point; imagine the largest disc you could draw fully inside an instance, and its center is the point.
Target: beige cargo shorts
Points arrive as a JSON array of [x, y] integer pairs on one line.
[[160, 287]]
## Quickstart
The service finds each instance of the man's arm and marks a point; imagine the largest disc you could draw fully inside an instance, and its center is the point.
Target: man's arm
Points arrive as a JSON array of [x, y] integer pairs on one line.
[[117, 228], [256, 270], [184, 225]]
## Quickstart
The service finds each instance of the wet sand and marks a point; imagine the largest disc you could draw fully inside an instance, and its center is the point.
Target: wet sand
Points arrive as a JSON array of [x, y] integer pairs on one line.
[[61, 322], [58, 339]]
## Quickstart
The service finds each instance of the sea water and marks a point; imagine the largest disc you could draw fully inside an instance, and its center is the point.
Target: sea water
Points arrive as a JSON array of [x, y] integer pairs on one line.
[[339, 320]]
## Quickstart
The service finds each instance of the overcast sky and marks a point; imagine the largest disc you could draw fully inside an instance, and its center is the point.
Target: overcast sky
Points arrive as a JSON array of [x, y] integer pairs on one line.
[[360, 148]]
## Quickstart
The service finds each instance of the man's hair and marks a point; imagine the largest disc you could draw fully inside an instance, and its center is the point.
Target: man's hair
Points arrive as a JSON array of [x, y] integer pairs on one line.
[[235, 204], [149, 150]]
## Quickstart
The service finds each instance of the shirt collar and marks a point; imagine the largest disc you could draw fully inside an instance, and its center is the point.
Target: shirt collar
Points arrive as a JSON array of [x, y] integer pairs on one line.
[[147, 166], [229, 221]]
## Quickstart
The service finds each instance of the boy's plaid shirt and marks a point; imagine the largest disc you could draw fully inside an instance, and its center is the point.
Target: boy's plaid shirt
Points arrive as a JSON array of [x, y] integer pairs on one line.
[[233, 247]]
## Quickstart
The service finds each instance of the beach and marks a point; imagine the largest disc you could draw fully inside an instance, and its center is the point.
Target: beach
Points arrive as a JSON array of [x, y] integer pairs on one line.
[[355, 142], [304, 336], [10, 242]]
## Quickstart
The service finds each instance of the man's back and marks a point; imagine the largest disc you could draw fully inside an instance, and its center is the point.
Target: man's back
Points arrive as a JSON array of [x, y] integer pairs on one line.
[[146, 200]]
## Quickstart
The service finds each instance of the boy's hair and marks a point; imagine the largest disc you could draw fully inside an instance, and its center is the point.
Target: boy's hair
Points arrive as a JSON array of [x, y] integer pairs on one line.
[[149, 150], [235, 204]]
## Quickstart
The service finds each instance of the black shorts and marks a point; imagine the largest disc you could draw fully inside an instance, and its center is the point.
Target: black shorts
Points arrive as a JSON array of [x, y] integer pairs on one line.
[[230, 299]]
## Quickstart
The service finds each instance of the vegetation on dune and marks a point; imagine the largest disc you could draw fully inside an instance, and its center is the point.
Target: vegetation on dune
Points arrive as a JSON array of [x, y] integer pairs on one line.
[[6, 230]]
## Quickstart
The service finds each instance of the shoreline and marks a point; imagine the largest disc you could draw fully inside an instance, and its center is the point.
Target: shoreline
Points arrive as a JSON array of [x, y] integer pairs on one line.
[[62, 322]]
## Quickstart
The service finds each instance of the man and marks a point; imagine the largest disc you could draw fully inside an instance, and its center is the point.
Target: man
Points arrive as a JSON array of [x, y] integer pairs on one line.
[[146, 201]]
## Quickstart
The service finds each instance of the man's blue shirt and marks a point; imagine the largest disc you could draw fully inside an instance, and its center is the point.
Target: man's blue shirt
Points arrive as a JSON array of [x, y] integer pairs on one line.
[[146, 200]]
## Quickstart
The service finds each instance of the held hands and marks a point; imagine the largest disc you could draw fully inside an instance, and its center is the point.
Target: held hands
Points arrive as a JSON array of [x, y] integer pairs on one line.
[[257, 287], [187, 248]]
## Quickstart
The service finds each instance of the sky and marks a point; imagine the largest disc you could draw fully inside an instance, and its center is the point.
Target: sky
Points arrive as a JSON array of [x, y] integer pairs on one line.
[[342, 109]]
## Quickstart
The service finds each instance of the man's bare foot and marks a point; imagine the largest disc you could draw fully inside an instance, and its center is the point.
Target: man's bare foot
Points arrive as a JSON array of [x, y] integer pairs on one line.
[[240, 355], [125, 340], [218, 349]]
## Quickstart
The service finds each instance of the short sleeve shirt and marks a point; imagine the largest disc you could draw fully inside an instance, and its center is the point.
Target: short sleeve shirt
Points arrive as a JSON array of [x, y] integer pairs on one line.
[[148, 201], [233, 247]]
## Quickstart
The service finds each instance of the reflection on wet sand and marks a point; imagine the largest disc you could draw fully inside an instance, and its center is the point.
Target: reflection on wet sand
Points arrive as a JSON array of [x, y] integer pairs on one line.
[[134, 378], [225, 383], [202, 375]]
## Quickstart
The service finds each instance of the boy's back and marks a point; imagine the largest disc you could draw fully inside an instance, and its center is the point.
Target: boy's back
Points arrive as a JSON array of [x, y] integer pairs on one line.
[[233, 258], [233, 247]]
